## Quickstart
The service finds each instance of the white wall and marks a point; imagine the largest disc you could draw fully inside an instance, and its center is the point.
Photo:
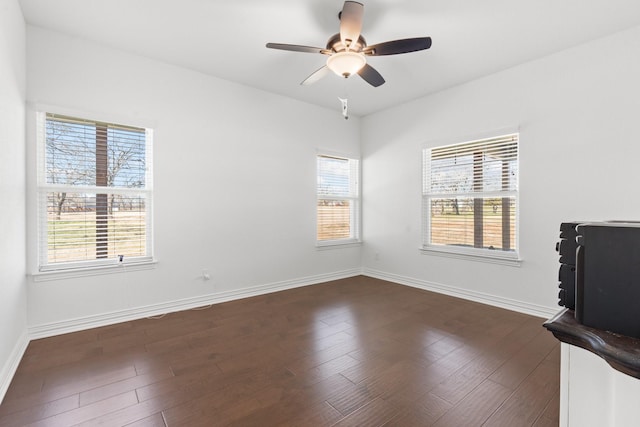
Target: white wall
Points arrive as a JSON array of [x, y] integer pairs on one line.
[[579, 148], [13, 310], [234, 180]]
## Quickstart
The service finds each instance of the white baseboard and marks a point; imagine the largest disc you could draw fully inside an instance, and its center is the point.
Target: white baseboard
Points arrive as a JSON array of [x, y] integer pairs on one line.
[[79, 324], [10, 367], [506, 303]]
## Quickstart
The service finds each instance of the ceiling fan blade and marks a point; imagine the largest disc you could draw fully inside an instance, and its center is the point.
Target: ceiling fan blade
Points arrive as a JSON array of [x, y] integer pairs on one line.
[[371, 76], [316, 75], [296, 48], [351, 22], [395, 47]]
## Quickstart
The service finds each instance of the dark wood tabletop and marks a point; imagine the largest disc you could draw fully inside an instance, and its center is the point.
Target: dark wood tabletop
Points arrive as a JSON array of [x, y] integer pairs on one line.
[[621, 352]]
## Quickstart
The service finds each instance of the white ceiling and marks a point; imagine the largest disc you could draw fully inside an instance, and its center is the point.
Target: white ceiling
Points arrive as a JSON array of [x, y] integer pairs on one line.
[[471, 38]]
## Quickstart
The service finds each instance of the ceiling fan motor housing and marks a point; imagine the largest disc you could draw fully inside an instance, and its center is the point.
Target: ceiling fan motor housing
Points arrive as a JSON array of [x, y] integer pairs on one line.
[[335, 44]]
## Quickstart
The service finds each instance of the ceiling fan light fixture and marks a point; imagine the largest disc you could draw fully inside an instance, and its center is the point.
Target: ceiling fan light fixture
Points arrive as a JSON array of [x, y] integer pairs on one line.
[[346, 63]]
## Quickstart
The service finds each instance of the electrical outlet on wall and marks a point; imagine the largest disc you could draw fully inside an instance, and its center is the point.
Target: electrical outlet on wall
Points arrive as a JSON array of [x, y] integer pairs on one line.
[[206, 275]]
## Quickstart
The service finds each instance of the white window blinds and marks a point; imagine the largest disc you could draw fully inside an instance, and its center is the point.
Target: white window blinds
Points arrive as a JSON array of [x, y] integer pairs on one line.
[[338, 200], [470, 194], [94, 192]]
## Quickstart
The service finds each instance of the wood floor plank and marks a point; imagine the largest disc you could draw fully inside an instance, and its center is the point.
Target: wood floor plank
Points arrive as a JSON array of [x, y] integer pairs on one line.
[[476, 407], [128, 414], [356, 351], [85, 413], [62, 386], [204, 391], [351, 398], [375, 413], [176, 384], [212, 399], [321, 414], [425, 412], [529, 401], [44, 345], [513, 372], [39, 412], [545, 422], [403, 383], [309, 361], [155, 420], [327, 369], [61, 356], [115, 388], [462, 382], [22, 388], [287, 400], [552, 411]]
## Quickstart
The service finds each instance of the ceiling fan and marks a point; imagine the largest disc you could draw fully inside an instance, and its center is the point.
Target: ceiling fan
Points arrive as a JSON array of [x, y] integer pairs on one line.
[[347, 51]]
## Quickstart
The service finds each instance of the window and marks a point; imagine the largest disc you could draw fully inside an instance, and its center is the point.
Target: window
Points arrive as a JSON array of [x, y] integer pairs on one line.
[[470, 197], [338, 203], [94, 193]]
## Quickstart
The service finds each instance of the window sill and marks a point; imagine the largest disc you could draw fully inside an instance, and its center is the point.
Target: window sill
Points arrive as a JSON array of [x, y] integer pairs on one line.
[[490, 257], [44, 276], [337, 244]]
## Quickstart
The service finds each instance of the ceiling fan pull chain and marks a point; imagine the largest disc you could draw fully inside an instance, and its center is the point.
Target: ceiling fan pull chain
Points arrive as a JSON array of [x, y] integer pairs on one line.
[[345, 100], [345, 107]]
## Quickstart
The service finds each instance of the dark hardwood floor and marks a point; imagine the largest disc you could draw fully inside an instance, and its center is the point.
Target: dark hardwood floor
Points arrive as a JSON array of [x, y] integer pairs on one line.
[[353, 352]]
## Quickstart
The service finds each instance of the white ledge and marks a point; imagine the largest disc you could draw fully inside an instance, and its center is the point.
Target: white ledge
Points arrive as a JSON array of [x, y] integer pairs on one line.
[[484, 256], [337, 245], [43, 276]]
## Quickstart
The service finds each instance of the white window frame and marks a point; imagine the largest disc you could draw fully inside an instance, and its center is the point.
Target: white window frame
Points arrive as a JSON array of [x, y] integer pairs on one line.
[[511, 257], [52, 271], [353, 198]]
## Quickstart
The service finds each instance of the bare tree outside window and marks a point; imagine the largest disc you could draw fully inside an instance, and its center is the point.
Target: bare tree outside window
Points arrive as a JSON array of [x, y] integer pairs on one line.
[[96, 189], [470, 194]]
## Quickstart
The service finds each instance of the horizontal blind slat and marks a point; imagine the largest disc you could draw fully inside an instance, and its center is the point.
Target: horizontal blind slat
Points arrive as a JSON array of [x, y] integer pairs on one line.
[[471, 188], [337, 198], [79, 220]]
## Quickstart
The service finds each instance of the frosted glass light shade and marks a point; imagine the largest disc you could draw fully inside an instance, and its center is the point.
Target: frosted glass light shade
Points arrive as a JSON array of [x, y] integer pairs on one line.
[[346, 63]]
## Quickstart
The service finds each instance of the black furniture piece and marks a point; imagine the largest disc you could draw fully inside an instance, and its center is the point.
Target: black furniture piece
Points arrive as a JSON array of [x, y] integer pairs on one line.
[[566, 247], [608, 276]]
